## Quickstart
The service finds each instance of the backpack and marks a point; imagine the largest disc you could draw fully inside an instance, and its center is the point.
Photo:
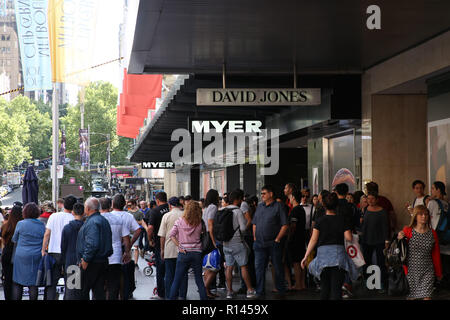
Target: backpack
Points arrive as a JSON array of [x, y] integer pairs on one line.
[[397, 252], [223, 225], [442, 228]]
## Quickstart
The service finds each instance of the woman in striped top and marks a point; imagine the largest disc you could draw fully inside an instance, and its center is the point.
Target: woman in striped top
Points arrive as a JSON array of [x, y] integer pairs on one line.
[[186, 236]]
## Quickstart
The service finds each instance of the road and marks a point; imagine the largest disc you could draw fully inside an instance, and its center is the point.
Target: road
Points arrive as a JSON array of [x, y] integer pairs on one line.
[[14, 196]]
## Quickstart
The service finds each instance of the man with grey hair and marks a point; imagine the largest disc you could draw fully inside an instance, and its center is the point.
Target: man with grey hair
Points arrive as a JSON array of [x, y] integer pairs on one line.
[[94, 246]]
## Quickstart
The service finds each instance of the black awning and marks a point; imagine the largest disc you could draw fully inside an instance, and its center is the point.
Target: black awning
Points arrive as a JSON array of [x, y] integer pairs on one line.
[[155, 144], [267, 36]]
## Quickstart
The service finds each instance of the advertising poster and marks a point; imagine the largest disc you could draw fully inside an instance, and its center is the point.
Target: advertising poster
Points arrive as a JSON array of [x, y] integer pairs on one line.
[[315, 174], [34, 45], [439, 151], [84, 147]]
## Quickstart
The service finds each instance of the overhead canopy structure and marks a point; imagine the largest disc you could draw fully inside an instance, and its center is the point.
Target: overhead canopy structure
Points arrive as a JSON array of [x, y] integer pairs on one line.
[[340, 93], [266, 36]]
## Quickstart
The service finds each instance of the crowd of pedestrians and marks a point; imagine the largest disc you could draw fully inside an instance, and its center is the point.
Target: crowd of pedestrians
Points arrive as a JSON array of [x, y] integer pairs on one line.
[[300, 236]]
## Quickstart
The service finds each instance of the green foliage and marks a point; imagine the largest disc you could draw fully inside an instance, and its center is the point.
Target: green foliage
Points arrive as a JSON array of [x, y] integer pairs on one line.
[[26, 128], [29, 135], [45, 183], [100, 112], [14, 133]]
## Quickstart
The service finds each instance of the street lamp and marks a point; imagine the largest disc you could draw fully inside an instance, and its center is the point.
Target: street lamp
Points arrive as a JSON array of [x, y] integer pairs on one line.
[[108, 137]]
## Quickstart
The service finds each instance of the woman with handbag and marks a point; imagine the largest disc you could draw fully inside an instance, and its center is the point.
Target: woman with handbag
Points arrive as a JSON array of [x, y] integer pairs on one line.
[[423, 259]]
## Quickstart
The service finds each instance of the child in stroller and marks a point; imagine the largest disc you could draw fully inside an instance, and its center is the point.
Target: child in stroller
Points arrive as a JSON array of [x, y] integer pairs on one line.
[[149, 256]]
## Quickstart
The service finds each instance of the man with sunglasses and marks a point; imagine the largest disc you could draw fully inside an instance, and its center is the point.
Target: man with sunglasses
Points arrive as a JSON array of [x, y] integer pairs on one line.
[[270, 225]]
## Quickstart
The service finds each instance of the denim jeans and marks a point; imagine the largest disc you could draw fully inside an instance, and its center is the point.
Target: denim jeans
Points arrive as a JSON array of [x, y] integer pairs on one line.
[[184, 262], [262, 254], [160, 271], [171, 265]]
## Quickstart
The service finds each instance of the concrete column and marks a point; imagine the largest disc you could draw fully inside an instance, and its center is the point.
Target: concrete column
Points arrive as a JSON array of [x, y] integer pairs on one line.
[[399, 147]]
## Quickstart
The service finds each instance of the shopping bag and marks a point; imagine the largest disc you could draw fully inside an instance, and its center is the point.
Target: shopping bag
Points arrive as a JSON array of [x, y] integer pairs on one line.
[[310, 258], [354, 251], [212, 260]]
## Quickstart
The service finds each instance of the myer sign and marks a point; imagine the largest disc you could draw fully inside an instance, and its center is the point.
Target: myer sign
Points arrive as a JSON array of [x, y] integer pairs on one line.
[[260, 96]]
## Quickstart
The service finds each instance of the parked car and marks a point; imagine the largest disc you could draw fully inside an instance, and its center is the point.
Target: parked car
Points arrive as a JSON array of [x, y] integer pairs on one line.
[[3, 191]]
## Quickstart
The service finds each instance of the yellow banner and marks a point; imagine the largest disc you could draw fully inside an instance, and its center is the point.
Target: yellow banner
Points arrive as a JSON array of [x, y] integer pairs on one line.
[[72, 26]]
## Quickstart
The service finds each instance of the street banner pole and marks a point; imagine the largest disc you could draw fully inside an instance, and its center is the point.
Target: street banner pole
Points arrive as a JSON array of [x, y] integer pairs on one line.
[[55, 148]]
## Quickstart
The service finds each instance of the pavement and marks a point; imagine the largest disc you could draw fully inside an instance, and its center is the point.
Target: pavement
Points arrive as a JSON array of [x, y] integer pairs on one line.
[[146, 284], [8, 200]]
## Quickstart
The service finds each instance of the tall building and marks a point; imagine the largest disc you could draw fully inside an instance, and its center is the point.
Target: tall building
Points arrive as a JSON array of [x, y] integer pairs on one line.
[[10, 64]]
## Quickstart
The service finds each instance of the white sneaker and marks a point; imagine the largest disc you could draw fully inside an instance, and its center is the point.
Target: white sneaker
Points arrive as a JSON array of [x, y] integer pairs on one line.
[[230, 294], [251, 294]]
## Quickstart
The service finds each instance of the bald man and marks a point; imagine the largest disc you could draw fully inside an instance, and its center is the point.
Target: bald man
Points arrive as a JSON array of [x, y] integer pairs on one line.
[[94, 246]]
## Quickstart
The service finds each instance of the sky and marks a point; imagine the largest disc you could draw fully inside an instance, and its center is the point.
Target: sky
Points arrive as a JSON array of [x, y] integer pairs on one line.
[[107, 41], [110, 16]]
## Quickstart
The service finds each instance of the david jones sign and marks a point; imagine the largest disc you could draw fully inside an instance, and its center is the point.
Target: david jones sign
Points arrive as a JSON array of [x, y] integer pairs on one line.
[[261, 96]]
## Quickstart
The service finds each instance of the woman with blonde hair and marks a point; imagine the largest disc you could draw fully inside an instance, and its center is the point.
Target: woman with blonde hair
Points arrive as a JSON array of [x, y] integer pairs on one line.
[[423, 260], [186, 234]]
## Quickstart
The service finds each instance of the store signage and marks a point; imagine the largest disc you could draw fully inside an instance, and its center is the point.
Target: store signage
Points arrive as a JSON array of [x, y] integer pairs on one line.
[[158, 165], [259, 96]]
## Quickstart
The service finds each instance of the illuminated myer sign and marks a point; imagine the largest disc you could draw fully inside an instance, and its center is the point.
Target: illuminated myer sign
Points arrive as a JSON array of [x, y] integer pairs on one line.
[[258, 97], [158, 165]]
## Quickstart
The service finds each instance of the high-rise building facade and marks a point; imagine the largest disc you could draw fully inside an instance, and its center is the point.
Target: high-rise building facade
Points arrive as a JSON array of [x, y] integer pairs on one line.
[[10, 65]]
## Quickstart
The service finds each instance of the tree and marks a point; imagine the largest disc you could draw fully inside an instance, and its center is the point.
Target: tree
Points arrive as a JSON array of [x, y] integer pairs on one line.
[[36, 125], [13, 152], [100, 105]]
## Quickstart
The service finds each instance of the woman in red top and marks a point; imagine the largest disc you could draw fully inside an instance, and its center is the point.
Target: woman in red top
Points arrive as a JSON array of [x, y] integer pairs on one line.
[[47, 209], [424, 260]]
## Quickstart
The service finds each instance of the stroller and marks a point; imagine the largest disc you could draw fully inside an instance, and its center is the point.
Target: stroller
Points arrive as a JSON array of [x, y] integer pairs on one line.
[[149, 256]]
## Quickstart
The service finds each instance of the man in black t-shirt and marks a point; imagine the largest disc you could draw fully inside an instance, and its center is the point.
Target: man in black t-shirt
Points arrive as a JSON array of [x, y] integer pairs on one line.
[[154, 221], [296, 242]]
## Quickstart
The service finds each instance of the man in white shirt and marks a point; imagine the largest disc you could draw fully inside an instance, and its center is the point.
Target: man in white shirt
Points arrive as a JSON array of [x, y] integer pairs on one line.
[[52, 240], [418, 187], [132, 227], [169, 251], [120, 234]]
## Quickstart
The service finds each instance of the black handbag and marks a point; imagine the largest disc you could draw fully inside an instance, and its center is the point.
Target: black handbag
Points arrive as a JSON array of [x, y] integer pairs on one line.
[[398, 283], [207, 244]]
